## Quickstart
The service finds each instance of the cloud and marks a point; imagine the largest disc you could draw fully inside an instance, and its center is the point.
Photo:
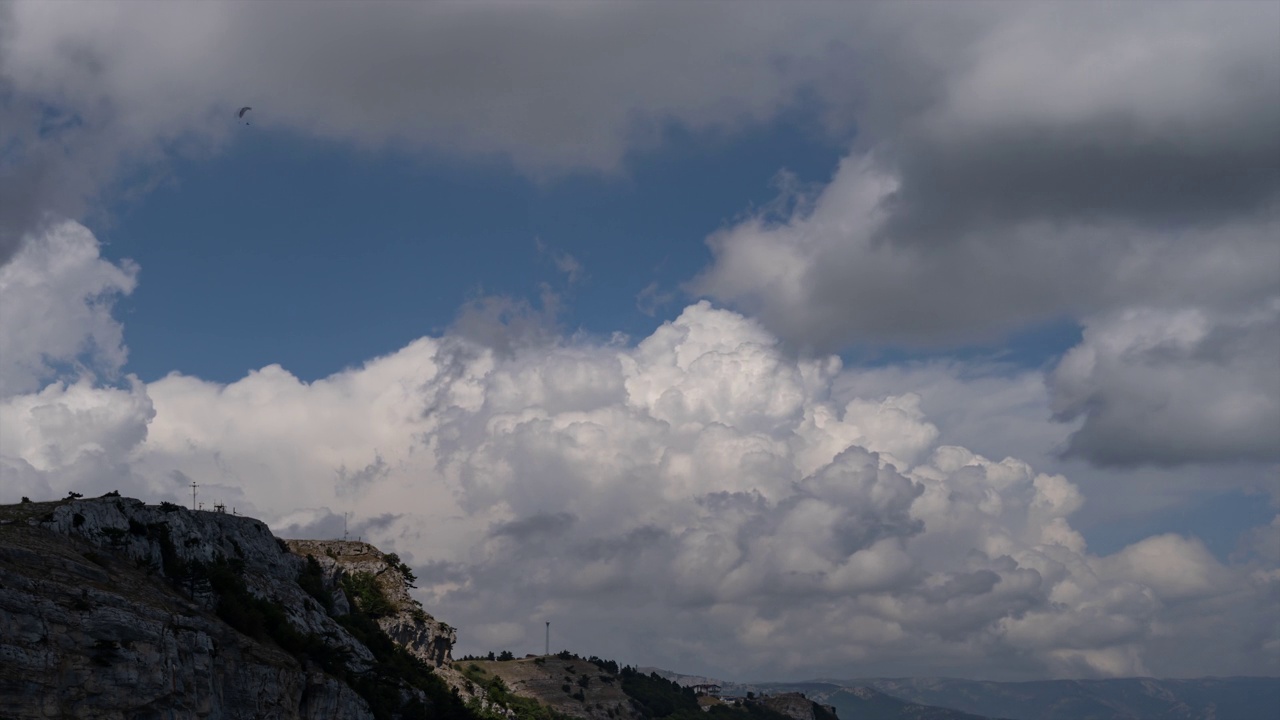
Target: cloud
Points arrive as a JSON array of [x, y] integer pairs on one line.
[[1000, 180], [505, 323], [989, 116], [823, 278], [56, 298], [1174, 386], [565, 262], [765, 513], [92, 91], [752, 507]]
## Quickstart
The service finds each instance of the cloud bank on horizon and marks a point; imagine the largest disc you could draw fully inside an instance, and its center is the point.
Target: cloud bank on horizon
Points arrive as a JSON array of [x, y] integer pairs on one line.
[[723, 483], [702, 485]]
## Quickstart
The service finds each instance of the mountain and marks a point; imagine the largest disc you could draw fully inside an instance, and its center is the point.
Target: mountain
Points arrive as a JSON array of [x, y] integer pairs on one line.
[[1233, 698], [856, 702], [113, 609]]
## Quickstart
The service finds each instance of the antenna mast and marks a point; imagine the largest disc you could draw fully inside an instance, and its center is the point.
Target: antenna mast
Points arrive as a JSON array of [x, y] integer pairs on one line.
[[193, 494], [548, 649]]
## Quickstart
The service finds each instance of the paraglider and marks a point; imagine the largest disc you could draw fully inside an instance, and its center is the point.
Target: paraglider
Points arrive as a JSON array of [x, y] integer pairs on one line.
[[243, 110]]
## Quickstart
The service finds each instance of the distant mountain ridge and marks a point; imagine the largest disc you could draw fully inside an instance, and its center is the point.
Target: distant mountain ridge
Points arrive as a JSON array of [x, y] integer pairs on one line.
[[1228, 698], [850, 703]]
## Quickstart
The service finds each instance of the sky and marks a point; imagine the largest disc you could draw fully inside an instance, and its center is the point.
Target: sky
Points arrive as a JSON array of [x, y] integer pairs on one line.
[[754, 340]]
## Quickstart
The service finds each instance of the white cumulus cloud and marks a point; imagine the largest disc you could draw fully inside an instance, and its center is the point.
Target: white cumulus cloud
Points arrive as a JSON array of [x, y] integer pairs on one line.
[[701, 500]]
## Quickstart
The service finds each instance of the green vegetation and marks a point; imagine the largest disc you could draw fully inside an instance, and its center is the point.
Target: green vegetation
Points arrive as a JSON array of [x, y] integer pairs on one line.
[[608, 666], [656, 697], [363, 588], [393, 560], [394, 668]]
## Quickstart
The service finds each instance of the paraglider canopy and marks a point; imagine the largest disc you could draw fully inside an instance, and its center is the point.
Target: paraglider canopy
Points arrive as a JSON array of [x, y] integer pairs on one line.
[[243, 110]]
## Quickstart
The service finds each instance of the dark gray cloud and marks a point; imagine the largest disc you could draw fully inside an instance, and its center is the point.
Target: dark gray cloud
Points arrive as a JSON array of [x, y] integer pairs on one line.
[[1085, 175], [1058, 159], [90, 89], [1174, 387], [351, 482], [1044, 162], [534, 526]]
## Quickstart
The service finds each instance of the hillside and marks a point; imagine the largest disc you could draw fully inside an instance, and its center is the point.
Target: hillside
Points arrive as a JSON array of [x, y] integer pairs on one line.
[[566, 684]]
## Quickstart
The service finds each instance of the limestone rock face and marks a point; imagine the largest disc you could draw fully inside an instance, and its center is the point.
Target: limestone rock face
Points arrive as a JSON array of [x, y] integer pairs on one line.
[[102, 616], [409, 626]]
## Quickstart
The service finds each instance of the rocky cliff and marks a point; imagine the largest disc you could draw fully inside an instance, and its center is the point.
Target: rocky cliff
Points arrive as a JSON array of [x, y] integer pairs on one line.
[[111, 608]]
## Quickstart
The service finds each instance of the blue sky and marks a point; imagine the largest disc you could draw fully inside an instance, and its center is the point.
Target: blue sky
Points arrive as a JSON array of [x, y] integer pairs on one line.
[[318, 256], [791, 328]]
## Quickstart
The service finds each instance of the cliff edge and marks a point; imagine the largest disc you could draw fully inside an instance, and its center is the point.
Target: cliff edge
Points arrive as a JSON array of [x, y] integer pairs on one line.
[[112, 608]]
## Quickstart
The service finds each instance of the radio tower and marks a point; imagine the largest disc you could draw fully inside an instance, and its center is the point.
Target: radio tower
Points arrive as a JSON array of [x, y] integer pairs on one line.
[[548, 649], [193, 494]]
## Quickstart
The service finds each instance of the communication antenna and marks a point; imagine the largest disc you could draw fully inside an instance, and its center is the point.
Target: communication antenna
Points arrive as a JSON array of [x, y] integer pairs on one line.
[[548, 648], [193, 494], [344, 526]]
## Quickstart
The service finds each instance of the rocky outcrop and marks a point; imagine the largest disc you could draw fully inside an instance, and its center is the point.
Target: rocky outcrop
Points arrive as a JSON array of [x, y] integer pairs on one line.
[[408, 625], [110, 608]]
